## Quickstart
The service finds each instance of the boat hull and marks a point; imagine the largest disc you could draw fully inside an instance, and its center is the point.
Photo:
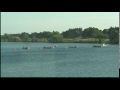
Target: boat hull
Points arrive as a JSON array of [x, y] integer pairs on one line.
[[97, 46]]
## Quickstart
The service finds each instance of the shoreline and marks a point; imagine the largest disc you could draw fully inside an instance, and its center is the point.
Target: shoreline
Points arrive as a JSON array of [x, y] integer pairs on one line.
[[64, 42]]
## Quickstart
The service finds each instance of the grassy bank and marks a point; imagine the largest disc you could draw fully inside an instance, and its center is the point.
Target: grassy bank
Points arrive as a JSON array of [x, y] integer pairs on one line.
[[67, 40], [89, 40]]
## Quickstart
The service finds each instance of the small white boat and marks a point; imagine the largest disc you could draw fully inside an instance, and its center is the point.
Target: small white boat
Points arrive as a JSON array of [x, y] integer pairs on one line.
[[104, 44]]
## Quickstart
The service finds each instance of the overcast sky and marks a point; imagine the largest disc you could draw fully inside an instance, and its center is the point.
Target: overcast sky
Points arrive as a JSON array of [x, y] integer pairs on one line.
[[17, 22]]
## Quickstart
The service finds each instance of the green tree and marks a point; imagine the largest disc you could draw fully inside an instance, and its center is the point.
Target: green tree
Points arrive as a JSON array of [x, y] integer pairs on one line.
[[100, 40], [113, 33], [16, 39], [114, 37], [56, 39], [24, 36], [91, 32], [105, 31], [72, 33]]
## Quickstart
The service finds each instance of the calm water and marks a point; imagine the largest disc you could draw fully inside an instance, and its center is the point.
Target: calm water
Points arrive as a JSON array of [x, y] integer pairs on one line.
[[59, 61]]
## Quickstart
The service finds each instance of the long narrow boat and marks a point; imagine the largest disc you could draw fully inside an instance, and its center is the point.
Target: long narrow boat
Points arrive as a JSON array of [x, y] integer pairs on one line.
[[50, 47], [73, 46], [25, 47], [102, 45], [97, 46]]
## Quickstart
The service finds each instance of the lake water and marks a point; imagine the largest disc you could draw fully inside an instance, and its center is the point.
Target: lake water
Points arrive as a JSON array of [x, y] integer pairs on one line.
[[84, 61]]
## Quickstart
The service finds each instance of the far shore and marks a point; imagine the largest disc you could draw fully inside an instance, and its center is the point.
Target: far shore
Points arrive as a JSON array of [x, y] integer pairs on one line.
[[75, 40]]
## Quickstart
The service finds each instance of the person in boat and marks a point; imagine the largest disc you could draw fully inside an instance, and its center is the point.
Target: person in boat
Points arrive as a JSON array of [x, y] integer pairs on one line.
[[25, 47], [97, 46], [55, 46], [73, 47], [50, 47]]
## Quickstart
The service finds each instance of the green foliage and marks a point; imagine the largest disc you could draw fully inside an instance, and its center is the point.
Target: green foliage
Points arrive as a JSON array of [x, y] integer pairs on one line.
[[16, 39], [56, 39], [91, 32], [105, 31], [72, 33], [100, 40], [90, 35], [24, 36], [114, 37]]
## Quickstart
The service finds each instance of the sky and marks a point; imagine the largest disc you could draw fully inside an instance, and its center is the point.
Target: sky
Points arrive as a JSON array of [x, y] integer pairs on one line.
[[18, 22]]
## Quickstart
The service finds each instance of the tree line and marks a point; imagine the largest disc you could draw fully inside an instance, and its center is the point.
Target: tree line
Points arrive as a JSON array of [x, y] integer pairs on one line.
[[70, 35]]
